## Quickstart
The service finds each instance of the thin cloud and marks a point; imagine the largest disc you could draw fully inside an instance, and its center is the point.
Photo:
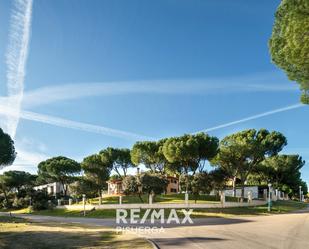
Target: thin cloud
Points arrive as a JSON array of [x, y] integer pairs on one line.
[[61, 122], [263, 82], [16, 57], [26, 160], [257, 116]]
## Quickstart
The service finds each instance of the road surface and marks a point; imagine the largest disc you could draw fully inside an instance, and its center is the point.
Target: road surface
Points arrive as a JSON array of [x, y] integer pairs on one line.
[[285, 231]]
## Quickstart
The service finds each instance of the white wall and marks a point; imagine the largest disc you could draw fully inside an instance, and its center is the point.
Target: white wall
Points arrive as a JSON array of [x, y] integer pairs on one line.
[[254, 190]]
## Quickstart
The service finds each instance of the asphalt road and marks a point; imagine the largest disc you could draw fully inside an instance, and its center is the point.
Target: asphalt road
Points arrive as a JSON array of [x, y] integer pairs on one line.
[[285, 231]]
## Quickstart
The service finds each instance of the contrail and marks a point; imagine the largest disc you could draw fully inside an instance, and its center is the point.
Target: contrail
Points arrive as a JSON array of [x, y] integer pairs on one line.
[[61, 122], [16, 57], [70, 91], [264, 114]]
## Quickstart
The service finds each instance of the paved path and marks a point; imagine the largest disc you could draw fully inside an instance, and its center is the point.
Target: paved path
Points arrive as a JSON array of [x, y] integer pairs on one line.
[[286, 231]]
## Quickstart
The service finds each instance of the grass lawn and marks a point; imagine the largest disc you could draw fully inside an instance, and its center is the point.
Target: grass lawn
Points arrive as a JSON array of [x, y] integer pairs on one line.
[[18, 233], [170, 198], [277, 208]]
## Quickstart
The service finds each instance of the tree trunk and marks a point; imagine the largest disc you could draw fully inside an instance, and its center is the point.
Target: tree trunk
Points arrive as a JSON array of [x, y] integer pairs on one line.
[[6, 198], [64, 189], [187, 182], [242, 193], [234, 186], [140, 197], [242, 189]]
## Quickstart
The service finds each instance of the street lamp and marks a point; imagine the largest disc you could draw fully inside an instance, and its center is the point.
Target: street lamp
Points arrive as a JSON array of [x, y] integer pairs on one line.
[[299, 193], [269, 203], [84, 203]]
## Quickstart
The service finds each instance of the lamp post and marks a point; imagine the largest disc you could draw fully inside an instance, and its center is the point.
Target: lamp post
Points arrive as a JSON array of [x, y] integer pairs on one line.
[[300, 193], [84, 204], [269, 201]]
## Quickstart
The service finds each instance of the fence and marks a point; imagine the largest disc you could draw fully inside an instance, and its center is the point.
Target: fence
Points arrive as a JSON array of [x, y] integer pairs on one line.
[[164, 205]]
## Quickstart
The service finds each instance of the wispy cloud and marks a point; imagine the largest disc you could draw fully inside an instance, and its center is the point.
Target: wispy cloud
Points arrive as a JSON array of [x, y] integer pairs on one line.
[[263, 82], [26, 160], [16, 57], [61, 122], [257, 116]]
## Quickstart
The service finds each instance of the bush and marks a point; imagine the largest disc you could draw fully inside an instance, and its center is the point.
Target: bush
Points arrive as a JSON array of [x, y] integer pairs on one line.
[[40, 200], [21, 202]]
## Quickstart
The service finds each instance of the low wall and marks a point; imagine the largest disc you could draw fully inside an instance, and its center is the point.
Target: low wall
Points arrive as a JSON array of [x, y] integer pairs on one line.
[[164, 205]]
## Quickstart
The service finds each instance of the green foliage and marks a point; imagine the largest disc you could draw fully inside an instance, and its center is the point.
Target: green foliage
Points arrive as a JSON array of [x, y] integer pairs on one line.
[[151, 183], [19, 179], [130, 185], [189, 152], [83, 185], [119, 159], [218, 178], [185, 182], [4, 188], [40, 200], [114, 177], [7, 150], [21, 202], [97, 171], [201, 183], [59, 169], [282, 170], [289, 44], [241, 153], [150, 154]]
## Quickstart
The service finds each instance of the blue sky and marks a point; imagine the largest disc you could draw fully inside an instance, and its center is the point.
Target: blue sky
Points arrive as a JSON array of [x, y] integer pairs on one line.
[[109, 73]]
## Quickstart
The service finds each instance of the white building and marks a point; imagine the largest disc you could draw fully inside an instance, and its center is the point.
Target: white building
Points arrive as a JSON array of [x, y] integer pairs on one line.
[[51, 188], [229, 192]]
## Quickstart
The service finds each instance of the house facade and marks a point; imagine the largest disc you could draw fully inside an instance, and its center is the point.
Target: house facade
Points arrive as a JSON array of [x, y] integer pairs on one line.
[[173, 185], [115, 187], [51, 188]]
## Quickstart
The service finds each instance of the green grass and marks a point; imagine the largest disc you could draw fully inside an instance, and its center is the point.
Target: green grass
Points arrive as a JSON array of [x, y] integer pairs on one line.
[[19, 233], [277, 208], [171, 198]]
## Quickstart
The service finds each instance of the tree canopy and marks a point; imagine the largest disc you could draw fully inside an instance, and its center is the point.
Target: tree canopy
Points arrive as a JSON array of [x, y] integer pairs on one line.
[[97, 171], [240, 153], [18, 179], [7, 149], [151, 183], [289, 43], [119, 159], [189, 152], [150, 154], [283, 170], [60, 169]]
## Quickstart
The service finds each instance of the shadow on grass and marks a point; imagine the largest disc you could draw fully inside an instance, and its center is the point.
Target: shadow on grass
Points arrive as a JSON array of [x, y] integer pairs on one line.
[[65, 240], [51, 239]]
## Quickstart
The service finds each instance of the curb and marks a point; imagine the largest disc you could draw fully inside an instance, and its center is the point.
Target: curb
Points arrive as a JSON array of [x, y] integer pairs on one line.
[[154, 244]]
